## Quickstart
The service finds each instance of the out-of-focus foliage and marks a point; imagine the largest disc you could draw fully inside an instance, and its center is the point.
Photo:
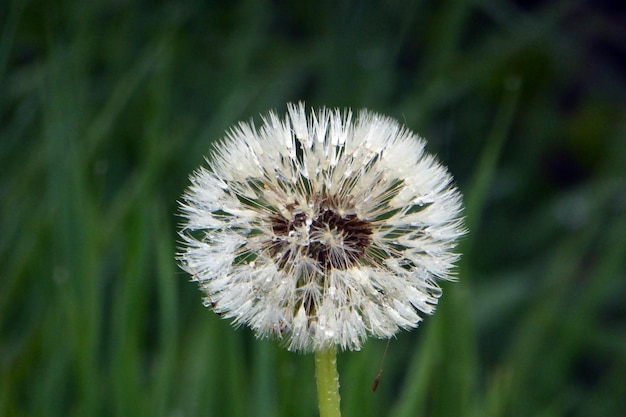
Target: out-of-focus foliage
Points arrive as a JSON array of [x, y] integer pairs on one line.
[[107, 106]]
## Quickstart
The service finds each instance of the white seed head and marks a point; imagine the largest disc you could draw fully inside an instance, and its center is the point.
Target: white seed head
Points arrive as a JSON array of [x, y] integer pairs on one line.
[[321, 231]]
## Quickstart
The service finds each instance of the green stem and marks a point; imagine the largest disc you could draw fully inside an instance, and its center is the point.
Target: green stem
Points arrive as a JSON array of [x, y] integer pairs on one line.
[[327, 382]]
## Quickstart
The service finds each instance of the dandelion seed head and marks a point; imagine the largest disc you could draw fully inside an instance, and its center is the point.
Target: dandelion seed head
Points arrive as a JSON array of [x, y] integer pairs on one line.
[[321, 230]]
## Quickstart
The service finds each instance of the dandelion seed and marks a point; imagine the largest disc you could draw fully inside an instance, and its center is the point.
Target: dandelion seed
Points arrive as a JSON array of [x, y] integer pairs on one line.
[[321, 231]]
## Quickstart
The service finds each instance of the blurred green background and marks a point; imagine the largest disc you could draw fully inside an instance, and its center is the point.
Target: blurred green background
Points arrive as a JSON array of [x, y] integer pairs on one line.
[[107, 106]]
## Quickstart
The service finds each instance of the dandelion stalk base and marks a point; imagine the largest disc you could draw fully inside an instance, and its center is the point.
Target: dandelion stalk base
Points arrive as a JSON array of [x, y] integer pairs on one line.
[[327, 382]]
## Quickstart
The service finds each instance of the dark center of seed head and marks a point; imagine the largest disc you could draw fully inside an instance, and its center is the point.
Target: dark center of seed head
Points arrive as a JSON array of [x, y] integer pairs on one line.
[[355, 233]]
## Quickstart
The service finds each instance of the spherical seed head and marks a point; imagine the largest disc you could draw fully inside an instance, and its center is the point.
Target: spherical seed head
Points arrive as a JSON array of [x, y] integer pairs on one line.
[[321, 231]]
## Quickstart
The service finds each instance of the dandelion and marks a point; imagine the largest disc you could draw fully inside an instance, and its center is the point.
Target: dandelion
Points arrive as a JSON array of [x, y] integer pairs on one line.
[[321, 231]]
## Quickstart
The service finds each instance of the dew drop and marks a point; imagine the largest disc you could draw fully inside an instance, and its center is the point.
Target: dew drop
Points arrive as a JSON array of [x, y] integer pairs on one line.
[[332, 291]]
